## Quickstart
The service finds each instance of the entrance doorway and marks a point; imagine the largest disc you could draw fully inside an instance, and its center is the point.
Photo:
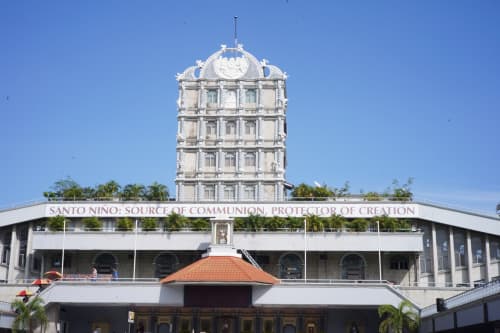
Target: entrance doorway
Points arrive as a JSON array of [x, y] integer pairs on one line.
[[226, 324], [289, 328], [353, 267]]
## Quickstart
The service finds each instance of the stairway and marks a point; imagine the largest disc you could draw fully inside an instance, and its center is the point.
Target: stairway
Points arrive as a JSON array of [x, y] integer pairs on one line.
[[250, 258]]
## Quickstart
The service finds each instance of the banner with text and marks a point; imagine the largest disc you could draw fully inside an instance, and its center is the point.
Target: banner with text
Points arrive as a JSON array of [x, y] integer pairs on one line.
[[122, 209]]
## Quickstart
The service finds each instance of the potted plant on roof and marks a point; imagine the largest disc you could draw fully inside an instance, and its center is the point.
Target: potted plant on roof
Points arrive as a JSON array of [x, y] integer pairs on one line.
[[92, 223]]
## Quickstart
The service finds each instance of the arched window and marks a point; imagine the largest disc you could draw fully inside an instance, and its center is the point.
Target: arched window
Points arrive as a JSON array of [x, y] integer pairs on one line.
[[165, 264], [105, 262], [290, 267], [353, 267]]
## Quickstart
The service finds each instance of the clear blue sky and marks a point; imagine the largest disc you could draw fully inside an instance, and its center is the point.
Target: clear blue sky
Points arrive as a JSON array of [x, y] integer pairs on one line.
[[378, 90]]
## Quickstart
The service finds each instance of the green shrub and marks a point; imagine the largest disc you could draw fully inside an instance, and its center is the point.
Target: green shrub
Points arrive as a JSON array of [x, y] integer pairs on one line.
[[200, 224], [294, 223], [175, 222], [239, 223], [92, 223], [314, 223], [358, 225], [149, 224], [372, 196], [56, 223], [274, 223], [336, 222], [124, 224]]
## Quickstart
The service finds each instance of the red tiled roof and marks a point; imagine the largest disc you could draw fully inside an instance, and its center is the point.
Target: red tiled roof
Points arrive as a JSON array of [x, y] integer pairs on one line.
[[220, 269]]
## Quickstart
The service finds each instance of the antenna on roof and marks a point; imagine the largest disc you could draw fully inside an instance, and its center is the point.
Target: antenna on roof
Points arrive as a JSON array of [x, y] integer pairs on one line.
[[236, 32]]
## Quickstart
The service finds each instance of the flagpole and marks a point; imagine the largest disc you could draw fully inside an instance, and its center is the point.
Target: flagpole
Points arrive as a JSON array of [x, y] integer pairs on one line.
[[305, 249], [135, 250], [63, 245], [379, 255]]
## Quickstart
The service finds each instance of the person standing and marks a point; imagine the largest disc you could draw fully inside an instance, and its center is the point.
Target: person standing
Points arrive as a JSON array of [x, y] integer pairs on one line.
[[93, 274]]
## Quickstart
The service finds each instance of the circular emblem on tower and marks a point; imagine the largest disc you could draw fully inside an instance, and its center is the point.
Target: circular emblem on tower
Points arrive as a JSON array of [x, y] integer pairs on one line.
[[231, 68]]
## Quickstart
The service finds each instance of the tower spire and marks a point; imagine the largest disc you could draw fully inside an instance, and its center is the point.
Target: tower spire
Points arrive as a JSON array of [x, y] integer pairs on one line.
[[236, 32]]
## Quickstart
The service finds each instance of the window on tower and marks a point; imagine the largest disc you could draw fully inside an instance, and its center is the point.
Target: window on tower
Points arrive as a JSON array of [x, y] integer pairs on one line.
[[230, 128], [210, 160], [230, 160], [250, 159], [209, 193], [249, 192], [251, 96], [250, 127], [212, 96], [229, 192], [211, 127]]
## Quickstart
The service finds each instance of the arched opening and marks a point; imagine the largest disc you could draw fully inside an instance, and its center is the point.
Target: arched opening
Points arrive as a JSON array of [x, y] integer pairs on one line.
[[291, 266], [288, 328], [353, 267], [165, 264], [105, 262]]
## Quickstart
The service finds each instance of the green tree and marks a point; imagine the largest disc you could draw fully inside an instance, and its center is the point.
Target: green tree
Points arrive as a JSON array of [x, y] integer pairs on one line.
[[254, 222], [274, 223], [358, 225], [149, 224], [124, 224], [175, 222], [66, 189], [108, 190], [294, 223], [387, 223], [157, 192], [56, 223], [239, 223], [336, 222], [396, 319], [314, 223], [28, 314], [200, 224], [92, 223], [372, 196], [88, 192], [401, 192], [134, 192], [303, 192]]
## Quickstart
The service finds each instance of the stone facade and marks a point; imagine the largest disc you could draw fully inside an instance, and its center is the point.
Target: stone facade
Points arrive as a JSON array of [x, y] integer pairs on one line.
[[231, 129]]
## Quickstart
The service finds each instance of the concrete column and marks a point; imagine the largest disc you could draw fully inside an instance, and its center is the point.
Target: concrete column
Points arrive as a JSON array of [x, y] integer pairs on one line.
[[239, 126], [258, 94], [435, 268], [259, 160], [13, 254], [201, 129], [239, 191], [417, 269], [487, 260], [201, 160], [451, 251], [259, 128], [198, 191], [469, 259], [29, 254], [219, 191], [52, 312]]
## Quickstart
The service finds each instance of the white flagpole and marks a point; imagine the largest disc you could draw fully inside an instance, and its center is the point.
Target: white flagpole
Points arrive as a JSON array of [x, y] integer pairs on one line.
[[63, 245], [305, 249], [135, 250], [379, 255]]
